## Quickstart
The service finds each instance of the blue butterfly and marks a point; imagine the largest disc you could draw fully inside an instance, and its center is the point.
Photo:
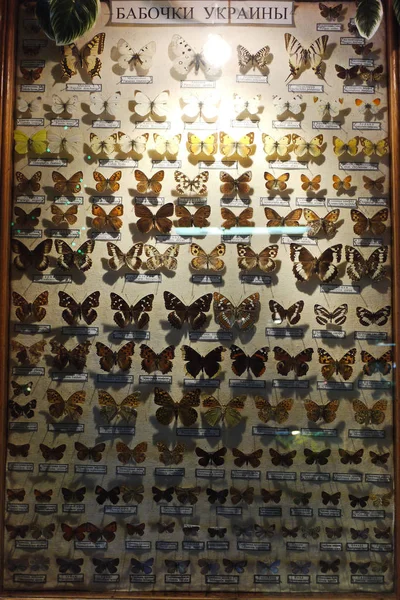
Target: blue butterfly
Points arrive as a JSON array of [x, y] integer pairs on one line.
[[145, 567], [271, 567], [303, 568]]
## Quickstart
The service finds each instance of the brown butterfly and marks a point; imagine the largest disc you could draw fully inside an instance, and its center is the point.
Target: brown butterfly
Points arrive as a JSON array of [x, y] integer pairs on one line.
[[130, 259], [372, 267], [64, 186], [159, 495], [107, 532], [18, 449], [310, 185], [374, 224], [346, 74], [330, 13], [373, 365], [187, 495], [330, 498], [351, 458], [317, 458], [296, 363], [365, 415], [31, 75], [159, 220], [282, 460], [59, 216], [45, 532], [243, 316], [111, 409], [382, 534], [110, 183], [17, 495], [379, 459], [334, 533], [136, 314], [290, 220], [290, 532], [157, 362], [25, 184], [55, 453], [170, 410], [75, 258], [252, 459], [338, 316], [305, 265], [381, 499], [371, 75], [135, 528], [276, 183], [75, 357], [246, 495], [271, 496], [121, 357], [75, 311], [22, 410], [77, 495], [363, 49], [132, 493], [341, 184], [327, 223], [278, 413], [219, 496], [166, 527], [242, 362], [248, 259], [186, 185], [333, 367], [34, 309], [66, 408], [207, 364], [204, 261], [240, 220], [24, 388], [145, 185], [85, 453], [36, 258], [112, 219], [231, 186], [71, 565], [229, 412], [17, 531], [28, 355], [193, 314], [137, 454], [157, 261], [211, 458], [302, 498], [197, 219], [27, 220], [292, 314], [326, 412], [374, 184], [171, 457]]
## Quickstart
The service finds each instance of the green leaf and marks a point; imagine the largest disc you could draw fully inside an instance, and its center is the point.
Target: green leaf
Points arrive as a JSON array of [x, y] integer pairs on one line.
[[368, 17], [43, 16], [396, 8], [71, 19]]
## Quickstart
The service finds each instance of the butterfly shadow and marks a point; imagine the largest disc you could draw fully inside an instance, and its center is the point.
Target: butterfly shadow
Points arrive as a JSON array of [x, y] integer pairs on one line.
[[243, 198], [244, 161], [349, 192], [195, 159], [89, 156], [287, 113], [382, 287], [99, 421], [274, 193]]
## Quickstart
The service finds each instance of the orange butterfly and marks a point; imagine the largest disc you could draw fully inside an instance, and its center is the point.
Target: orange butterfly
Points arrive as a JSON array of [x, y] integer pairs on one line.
[[146, 185], [309, 185], [107, 182], [112, 219], [276, 183], [340, 184]]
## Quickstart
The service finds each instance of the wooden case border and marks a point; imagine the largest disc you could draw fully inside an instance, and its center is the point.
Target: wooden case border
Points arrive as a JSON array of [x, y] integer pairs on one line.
[[8, 39]]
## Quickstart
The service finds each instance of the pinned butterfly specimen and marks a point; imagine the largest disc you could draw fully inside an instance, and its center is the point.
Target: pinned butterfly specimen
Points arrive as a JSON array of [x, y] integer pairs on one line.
[[130, 494], [66, 408], [35, 143], [66, 141], [45, 532], [177, 566], [196, 363], [75, 357], [276, 183], [130, 259], [374, 365], [145, 567], [36, 258], [296, 363], [334, 533], [229, 412], [265, 568], [333, 367], [135, 528], [239, 531], [330, 498], [380, 148], [300, 57], [103, 146], [248, 259], [171, 457], [302, 568], [237, 566], [85, 453], [159, 221], [186, 186], [136, 145], [367, 416], [159, 495], [216, 531], [312, 532], [110, 408], [193, 314], [28, 355], [246, 495], [75, 311], [187, 495], [328, 109], [106, 533], [347, 74], [282, 460], [374, 184], [332, 566], [156, 260], [243, 147], [327, 223], [330, 13], [371, 75], [208, 567], [59, 216], [351, 458], [317, 458], [69, 565], [310, 185], [24, 388], [324, 412], [62, 185], [306, 265], [190, 530], [104, 183], [290, 532], [379, 460], [355, 501], [337, 317], [26, 310], [55, 453], [240, 220], [17, 565], [165, 527], [16, 495], [17, 531], [196, 219], [60, 106], [31, 184], [121, 357], [136, 454], [374, 224], [242, 362], [250, 106], [243, 316], [186, 59], [359, 567], [157, 362], [372, 267], [39, 563], [164, 146], [276, 220], [183, 410], [106, 565], [203, 107], [258, 60], [208, 146], [341, 185], [232, 187], [365, 106], [341, 147], [141, 59], [203, 261], [99, 104], [278, 413], [211, 458], [271, 496], [287, 106], [22, 410], [73, 495], [301, 147], [112, 220], [252, 459], [379, 567], [274, 147], [29, 106], [291, 314], [86, 58], [145, 107], [382, 534]]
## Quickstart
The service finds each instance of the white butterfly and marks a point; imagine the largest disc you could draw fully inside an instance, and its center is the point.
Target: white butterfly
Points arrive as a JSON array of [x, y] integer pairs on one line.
[[196, 106], [136, 145], [107, 145], [31, 106], [144, 106], [169, 146], [59, 105], [251, 106], [65, 140], [186, 58], [293, 105], [99, 104], [328, 108], [141, 59]]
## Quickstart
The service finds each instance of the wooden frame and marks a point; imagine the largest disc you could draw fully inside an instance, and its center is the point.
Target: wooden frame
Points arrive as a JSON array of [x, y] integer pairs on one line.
[[8, 37]]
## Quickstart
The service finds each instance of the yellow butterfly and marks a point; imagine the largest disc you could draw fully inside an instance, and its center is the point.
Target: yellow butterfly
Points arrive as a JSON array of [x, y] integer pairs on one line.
[[107, 145], [36, 143], [197, 146], [242, 147], [302, 147], [380, 148], [340, 147], [87, 57], [279, 147]]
